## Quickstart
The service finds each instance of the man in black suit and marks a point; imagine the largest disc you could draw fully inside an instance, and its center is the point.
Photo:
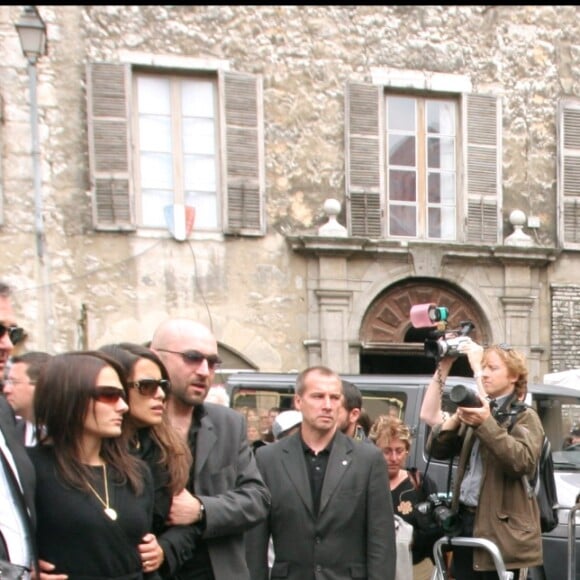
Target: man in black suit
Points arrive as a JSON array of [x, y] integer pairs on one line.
[[331, 516], [226, 493], [17, 477]]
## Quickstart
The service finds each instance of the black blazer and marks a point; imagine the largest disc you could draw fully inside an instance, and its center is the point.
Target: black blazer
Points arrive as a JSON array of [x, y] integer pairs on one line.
[[26, 473]]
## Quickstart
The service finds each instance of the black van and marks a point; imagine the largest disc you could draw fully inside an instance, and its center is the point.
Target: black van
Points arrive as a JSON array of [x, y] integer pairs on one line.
[[557, 406]]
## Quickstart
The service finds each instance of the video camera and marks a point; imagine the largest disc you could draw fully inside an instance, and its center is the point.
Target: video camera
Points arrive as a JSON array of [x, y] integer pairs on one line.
[[440, 342]]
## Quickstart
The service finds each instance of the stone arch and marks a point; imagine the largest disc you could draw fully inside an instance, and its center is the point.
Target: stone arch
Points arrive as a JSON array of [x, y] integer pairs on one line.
[[386, 324]]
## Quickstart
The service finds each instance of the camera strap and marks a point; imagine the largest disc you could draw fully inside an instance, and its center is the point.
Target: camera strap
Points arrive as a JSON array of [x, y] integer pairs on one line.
[[449, 472]]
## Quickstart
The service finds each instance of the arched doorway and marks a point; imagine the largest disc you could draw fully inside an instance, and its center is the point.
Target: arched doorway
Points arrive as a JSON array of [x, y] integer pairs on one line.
[[390, 344]]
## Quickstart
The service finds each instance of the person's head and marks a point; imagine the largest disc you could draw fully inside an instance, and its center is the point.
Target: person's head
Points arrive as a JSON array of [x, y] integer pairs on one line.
[[10, 332], [318, 396], [350, 410], [218, 394], [253, 431], [503, 371], [365, 421], [286, 423], [80, 395], [147, 379], [25, 370], [393, 438], [79, 404], [189, 351], [148, 387]]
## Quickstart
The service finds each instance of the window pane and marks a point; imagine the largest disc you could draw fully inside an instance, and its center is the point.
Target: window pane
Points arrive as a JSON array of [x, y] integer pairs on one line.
[[156, 171], [154, 95], [205, 208], [441, 188], [401, 114], [155, 133], [402, 220], [402, 186], [200, 173], [153, 203], [402, 150], [441, 117], [199, 136], [441, 153], [441, 223], [197, 99]]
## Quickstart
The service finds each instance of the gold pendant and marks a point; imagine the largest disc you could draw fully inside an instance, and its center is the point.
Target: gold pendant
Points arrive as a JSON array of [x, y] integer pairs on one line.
[[111, 513]]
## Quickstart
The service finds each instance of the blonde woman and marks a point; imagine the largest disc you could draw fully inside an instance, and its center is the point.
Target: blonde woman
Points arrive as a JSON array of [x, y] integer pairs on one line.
[[408, 487]]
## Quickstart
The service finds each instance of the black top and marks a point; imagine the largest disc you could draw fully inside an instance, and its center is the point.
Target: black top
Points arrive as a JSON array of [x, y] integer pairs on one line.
[[76, 535], [178, 542], [405, 496]]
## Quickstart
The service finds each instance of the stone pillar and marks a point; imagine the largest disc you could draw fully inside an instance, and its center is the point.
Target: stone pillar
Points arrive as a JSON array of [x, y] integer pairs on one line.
[[334, 307]]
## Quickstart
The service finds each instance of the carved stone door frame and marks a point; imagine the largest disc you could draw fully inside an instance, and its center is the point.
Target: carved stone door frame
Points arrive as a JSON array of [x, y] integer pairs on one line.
[[387, 327]]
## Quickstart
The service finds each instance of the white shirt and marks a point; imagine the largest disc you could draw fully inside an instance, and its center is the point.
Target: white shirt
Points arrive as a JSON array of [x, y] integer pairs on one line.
[[12, 525]]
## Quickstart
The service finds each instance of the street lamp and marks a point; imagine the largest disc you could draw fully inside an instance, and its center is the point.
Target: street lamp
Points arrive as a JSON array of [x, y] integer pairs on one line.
[[32, 32]]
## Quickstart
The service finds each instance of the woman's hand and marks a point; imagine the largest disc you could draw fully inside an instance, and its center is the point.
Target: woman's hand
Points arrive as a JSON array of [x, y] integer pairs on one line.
[[46, 572], [151, 552]]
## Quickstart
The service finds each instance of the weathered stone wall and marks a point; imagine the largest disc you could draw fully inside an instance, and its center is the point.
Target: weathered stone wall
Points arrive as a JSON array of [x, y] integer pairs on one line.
[[255, 291]]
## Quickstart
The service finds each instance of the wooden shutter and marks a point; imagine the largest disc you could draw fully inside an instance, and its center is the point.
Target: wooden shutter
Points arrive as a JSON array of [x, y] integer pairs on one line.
[[569, 174], [243, 160], [482, 120], [363, 160], [108, 128]]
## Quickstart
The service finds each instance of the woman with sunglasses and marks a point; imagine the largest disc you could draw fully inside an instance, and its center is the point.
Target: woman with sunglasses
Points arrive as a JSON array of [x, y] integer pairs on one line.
[[94, 500], [499, 442], [149, 435]]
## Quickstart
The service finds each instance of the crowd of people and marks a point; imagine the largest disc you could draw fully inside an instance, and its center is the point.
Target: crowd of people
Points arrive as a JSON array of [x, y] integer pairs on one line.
[[122, 463]]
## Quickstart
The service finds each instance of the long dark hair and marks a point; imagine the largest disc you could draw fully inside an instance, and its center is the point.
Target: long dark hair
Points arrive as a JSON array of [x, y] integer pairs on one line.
[[175, 454], [61, 404]]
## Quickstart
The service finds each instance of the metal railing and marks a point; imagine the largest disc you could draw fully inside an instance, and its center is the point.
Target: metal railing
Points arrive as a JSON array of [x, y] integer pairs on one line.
[[441, 569], [572, 542]]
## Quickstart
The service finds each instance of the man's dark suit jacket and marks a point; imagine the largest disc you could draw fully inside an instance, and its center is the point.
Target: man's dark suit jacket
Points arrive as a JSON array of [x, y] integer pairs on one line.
[[353, 535], [24, 466], [228, 483]]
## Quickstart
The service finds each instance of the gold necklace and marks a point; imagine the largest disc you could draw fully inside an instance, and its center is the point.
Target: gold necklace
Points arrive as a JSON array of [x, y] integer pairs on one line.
[[109, 511]]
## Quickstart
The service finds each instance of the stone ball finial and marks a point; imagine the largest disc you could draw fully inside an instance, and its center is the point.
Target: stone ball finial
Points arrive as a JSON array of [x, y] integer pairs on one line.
[[519, 237], [331, 207], [517, 217], [332, 228]]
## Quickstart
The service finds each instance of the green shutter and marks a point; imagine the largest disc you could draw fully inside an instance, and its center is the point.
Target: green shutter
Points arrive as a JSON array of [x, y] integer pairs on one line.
[[243, 162], [108, 130], [363, 160], [482, 116]]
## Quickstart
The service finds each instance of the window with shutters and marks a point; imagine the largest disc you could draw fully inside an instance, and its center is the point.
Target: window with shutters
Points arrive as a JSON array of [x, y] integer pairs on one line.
[[166, 138], [423, 165]]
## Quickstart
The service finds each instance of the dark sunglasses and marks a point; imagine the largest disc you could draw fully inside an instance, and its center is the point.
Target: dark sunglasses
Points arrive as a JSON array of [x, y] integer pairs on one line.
[[196, 357], [109, 395], [15, 333], [148, 387]]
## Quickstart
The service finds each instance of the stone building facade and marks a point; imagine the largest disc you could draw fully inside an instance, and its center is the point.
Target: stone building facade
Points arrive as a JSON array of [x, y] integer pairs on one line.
[[430, 125]]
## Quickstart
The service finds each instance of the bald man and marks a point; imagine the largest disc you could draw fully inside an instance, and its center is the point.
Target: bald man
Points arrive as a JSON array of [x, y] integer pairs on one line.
[[227, 494]]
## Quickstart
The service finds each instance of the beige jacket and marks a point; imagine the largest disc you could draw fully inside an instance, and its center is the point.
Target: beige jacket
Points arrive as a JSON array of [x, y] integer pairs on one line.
[[507, 514]]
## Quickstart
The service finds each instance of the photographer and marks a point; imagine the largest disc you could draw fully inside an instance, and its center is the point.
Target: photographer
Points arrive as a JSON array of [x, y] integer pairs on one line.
[[499, 444]]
